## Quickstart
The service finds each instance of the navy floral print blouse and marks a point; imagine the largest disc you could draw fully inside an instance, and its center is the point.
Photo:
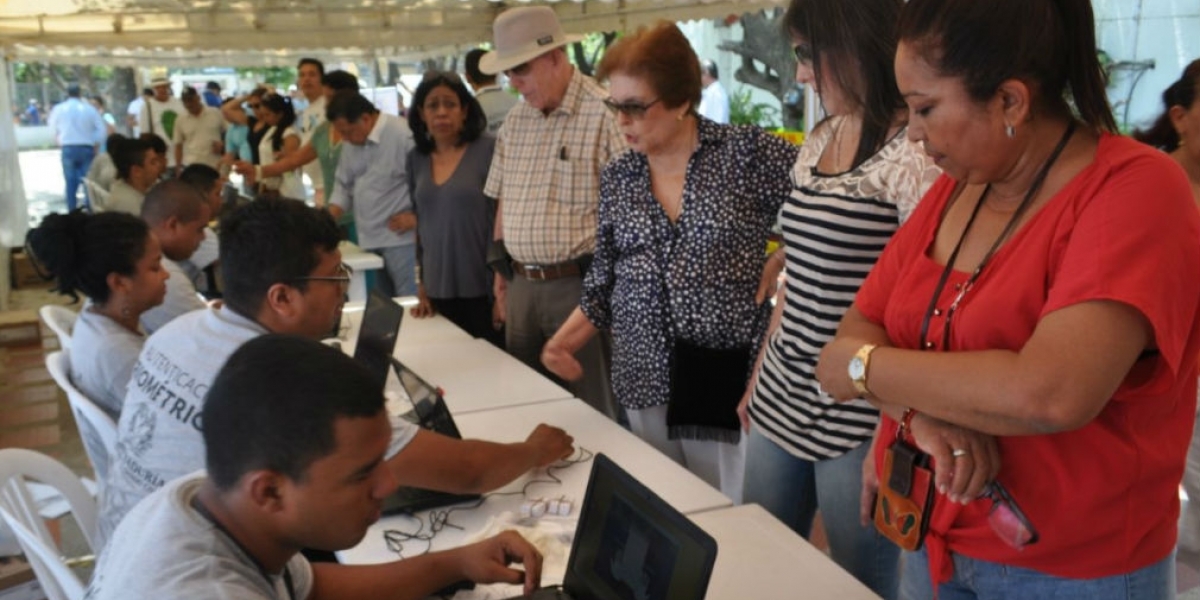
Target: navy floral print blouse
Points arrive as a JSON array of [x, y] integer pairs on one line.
[[653, 281]]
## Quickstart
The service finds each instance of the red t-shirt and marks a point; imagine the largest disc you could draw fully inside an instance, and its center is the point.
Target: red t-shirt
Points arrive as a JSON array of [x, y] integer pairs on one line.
[[1104, 498]]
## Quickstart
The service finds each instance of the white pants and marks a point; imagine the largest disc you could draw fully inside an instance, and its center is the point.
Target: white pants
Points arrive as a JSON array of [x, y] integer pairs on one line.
[[721, 465]]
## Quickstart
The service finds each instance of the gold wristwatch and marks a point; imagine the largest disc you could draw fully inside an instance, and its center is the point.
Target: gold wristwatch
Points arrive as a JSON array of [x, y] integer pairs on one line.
[[860, 364]]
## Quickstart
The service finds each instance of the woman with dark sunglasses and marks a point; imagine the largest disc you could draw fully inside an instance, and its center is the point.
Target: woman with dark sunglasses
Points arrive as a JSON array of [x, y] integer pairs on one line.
[[856, 179], [680, 251], [1033, 325]]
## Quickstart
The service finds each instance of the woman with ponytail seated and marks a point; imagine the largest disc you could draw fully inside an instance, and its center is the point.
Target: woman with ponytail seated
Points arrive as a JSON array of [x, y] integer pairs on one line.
[[114, 260], [1032, 328], [1177, 130]]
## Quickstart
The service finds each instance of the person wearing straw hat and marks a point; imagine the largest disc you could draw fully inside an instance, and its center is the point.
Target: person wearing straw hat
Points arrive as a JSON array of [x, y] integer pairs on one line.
[[159, 113], [545, 175]]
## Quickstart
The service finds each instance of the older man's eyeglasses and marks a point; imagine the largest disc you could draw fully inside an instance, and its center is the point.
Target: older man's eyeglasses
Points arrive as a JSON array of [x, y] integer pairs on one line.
[[345, 273], [1006, 518], [632, 109]]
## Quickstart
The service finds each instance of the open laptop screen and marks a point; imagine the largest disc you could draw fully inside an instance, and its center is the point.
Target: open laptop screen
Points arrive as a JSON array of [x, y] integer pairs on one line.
[[631, 544], [377, 335]]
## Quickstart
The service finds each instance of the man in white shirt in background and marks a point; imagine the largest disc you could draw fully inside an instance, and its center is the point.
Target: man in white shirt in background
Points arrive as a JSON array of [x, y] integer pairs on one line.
[[159, 114], [178, 214], [79, 130], [714, 102], [134, 111], [495, 101], [309, 73], [197, 133]]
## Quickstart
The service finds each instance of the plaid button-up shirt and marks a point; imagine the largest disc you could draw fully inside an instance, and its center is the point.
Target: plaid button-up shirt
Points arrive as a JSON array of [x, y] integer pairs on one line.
[[546, 173]]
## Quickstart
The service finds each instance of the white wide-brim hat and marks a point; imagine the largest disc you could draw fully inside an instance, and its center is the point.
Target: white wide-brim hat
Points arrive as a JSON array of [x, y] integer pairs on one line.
[[157, 81], [523, 34]]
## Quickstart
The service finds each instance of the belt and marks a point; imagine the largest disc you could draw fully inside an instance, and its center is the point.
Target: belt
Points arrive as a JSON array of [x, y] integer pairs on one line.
[[569, 268]]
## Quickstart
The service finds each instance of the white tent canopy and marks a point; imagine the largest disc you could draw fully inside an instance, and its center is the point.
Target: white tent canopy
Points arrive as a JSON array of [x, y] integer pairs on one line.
[[276, 32]]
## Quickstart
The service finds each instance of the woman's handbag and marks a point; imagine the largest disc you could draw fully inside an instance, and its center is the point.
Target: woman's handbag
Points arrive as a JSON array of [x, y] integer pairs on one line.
[[905, 499]]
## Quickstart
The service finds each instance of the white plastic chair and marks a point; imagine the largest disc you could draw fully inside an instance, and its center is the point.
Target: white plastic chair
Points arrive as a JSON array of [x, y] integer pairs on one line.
[[61, 321], [98, 430], [20, 512]]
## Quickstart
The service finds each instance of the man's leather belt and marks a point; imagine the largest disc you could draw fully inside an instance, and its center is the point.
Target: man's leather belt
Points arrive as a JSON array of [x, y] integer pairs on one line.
[[547, 272]]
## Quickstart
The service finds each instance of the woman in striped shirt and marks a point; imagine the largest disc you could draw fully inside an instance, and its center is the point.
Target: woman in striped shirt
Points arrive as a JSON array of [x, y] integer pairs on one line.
[[857, 177]]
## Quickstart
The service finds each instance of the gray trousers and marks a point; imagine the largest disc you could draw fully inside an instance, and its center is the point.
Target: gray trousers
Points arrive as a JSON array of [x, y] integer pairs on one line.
[[536, 309]]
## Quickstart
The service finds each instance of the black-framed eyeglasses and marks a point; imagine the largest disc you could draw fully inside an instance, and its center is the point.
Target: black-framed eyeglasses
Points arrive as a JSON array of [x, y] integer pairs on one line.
[[631, 109], [803, 52], [1006, 518], [345, 273]]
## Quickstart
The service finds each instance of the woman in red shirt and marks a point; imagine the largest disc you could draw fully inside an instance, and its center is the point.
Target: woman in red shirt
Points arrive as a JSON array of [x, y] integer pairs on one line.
[[1034, 322]]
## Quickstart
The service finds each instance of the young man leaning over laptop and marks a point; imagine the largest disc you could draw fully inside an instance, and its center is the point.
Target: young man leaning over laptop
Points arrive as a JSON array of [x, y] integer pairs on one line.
[[294, 461]]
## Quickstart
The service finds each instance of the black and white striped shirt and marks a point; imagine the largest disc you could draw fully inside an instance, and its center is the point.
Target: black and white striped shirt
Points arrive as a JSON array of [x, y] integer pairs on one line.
[[834, 228]]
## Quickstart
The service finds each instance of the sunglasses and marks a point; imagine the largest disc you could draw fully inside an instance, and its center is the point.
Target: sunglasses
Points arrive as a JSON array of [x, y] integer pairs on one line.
[[1006, 518], [803, 52], [631, 109]]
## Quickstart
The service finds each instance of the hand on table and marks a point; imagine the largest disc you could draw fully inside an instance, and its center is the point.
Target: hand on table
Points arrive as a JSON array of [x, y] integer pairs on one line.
[[488, 561], [964, 460], [551, 443], [424, 307]]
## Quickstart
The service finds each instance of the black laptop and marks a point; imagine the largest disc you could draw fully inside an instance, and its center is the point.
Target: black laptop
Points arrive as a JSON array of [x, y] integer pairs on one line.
[[376, 345], [631, 545]]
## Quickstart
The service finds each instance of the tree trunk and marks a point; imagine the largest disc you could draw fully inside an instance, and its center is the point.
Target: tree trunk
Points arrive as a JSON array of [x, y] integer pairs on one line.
[[765, 43], [122, 90]]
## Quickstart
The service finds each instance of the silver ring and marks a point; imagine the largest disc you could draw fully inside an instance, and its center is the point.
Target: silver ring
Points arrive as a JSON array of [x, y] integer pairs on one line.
[[958, 452]]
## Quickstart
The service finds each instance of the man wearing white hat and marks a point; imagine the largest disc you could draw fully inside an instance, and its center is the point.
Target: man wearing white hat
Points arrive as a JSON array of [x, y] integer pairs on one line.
[[545, 175], [159, 114]]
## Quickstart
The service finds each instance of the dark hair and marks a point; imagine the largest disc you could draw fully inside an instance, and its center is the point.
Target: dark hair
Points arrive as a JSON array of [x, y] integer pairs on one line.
[[200, 176], [282, 106], [311, 61], [348, 105], [129, 153], [471, 66], [340, 81], [80, 250], [173, 198], [112, 139], [473, 127], [1050, 44], [661, 56], [147, 91], [156, 143], [212, 86], [274, 406], [267, 242], [1182, 93], [858, 42], [710, 67], [73, 90], [98, 99], [189, 93]]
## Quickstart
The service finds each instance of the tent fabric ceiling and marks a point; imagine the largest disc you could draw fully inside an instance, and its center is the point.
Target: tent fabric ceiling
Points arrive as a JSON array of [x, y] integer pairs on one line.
[[276, 32]]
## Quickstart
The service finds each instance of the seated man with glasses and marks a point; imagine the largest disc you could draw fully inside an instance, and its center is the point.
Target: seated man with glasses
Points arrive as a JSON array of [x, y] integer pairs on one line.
[[284, 274]]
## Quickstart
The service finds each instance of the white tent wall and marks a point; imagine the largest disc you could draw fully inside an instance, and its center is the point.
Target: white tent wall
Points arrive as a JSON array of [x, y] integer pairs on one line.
[[14, 215]]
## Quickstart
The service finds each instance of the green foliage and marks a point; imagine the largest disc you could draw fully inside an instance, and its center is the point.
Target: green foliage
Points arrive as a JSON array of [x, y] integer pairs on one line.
[[744, 111], [280, 77]]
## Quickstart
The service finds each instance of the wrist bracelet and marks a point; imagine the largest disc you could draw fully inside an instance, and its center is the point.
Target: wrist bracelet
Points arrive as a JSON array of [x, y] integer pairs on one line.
[[905, 423]]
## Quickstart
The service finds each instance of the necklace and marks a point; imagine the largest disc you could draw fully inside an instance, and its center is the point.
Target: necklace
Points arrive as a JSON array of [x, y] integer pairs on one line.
[[1038, 180]]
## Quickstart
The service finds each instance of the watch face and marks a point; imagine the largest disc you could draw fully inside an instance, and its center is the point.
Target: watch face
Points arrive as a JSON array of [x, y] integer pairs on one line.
[[857, 370]]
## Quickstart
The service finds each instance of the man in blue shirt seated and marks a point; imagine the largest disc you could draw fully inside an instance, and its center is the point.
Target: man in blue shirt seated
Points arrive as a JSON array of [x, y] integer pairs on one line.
[[282, 273], [296, 435]]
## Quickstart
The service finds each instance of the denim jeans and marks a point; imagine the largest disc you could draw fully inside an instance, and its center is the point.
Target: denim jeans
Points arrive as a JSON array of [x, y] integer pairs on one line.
[[75, 163], [398, 276], [976, 579], [793, 488]]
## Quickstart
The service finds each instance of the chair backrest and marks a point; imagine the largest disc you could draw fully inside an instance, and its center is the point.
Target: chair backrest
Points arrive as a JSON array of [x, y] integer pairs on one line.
[[98, 430], [61, 321], [20, 512], [97, 195]]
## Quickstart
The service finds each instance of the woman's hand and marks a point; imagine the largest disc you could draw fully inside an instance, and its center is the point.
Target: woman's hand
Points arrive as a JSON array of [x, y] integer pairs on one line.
[[743, 407], [770, 276], [964, 460], [402, 222], [424, 307], [833, 368], [870, 485], [561, 361]]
